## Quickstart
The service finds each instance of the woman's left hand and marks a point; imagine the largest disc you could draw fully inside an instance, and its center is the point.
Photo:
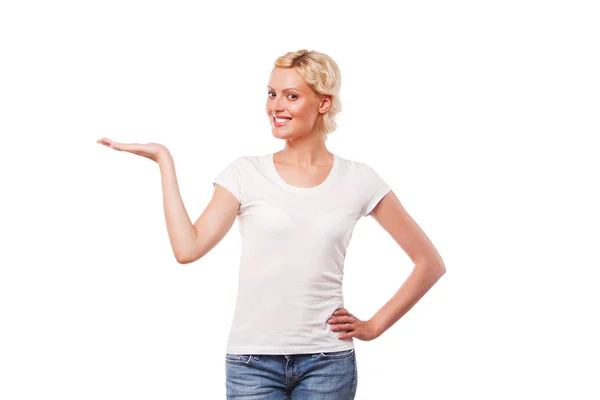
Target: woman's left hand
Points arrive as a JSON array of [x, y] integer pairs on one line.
[[342, 320]]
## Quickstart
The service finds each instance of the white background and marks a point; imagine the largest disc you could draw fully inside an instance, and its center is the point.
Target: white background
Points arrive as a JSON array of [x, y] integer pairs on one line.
[[480, 115]]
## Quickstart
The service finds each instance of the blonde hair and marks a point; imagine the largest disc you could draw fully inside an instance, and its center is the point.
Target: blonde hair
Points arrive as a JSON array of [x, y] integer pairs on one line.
[[322, 74]]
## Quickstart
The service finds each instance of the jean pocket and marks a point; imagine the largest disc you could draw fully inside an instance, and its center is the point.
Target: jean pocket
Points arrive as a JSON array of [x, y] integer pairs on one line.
[[238, 358], [337, 354]]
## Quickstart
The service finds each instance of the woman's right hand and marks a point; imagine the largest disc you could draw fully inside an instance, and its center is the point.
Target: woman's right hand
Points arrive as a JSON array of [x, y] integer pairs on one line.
[[153, 151]]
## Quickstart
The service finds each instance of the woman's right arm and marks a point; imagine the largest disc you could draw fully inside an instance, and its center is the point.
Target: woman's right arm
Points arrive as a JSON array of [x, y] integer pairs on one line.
[[191, 242]]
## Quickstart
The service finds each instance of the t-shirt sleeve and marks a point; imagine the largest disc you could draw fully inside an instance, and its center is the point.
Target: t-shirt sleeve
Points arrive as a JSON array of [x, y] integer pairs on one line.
[[231, 179], [375, 188]]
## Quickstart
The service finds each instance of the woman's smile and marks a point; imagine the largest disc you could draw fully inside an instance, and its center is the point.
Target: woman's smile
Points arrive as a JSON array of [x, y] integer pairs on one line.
[[279, 122]]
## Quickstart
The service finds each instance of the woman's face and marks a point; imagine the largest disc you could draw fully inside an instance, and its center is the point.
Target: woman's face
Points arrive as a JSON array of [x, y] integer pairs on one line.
[[292, 106]]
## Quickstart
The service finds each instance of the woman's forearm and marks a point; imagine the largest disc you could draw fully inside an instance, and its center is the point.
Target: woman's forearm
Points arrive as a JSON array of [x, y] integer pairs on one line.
[[182, 233], [420, 280]]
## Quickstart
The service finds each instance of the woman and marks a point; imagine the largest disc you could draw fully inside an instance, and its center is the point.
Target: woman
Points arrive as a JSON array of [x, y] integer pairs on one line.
[[291, 337]]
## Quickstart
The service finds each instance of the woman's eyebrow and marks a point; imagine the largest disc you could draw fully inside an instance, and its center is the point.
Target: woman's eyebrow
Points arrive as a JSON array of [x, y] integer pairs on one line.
[[284, 90]]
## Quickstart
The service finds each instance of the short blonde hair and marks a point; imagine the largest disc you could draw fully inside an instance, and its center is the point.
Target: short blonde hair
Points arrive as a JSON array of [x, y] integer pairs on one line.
[[322, 74]]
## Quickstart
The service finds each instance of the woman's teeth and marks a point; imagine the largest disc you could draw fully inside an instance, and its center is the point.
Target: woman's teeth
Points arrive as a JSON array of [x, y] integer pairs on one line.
[[281, 120]]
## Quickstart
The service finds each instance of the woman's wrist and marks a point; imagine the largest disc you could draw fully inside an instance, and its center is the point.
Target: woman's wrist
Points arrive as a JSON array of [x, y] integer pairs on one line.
[[164, 156]]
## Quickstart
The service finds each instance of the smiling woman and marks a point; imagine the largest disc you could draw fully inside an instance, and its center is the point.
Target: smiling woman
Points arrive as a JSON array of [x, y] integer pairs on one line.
[[300, 82], [291, 337]]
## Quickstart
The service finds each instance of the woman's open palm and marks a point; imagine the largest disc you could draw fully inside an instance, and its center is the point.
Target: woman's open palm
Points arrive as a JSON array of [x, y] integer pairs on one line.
[[153, 151]]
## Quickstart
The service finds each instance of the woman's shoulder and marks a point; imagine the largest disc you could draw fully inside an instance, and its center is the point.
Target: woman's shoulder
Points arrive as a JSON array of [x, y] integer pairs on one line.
[[352, 164], [361, 170]]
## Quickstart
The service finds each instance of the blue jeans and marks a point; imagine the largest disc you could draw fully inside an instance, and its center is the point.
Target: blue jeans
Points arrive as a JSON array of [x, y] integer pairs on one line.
[[323, 376]]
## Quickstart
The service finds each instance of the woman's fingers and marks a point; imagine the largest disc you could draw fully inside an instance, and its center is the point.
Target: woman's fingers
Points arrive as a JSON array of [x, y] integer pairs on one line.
[[341, 320], [341, 312], [110, 143], [134, 148], [104, 141], [117, 145], [342, 327]]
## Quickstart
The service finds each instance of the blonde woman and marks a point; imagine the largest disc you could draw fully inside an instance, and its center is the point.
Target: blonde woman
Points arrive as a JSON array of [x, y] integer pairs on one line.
[[291, 337]]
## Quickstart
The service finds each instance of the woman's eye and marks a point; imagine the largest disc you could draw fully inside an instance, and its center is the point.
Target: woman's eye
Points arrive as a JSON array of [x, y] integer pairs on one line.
[[291, 96]]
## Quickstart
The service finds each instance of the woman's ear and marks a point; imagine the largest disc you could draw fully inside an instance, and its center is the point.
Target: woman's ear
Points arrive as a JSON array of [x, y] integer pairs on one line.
[[325, 104]]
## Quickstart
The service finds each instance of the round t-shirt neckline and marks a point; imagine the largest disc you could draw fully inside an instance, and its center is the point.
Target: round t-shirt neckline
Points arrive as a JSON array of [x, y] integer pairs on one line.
[[302, 190]]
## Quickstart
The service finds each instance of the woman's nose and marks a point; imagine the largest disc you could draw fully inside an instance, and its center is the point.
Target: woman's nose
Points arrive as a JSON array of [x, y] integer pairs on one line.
[[277, 105]]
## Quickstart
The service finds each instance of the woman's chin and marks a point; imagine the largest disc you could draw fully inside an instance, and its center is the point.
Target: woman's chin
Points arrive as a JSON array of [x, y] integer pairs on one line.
[[282, 133]]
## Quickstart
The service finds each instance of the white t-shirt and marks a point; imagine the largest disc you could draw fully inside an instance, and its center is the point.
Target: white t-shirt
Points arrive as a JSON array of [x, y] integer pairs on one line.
[[294, 244]]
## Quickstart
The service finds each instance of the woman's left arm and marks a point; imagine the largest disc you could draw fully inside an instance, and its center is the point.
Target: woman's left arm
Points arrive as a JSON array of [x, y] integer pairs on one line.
[[428, 269]]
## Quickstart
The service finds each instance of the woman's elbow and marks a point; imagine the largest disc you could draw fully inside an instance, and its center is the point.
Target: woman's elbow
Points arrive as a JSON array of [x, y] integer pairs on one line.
[[184, 258]]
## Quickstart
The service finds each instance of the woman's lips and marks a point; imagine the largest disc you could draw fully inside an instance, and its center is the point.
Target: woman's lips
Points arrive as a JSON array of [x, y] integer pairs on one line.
[[279, 122]]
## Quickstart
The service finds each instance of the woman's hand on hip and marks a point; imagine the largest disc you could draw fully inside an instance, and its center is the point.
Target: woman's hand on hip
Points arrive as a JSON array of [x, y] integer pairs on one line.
[[153, 151], [342, 320]]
